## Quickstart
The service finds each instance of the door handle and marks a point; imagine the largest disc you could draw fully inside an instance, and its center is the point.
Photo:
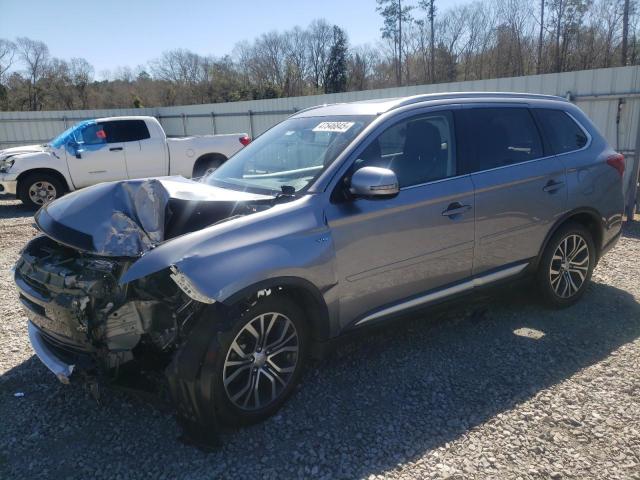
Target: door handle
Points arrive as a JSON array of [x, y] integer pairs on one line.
[[456, 208], [552, 186], [115, 149]]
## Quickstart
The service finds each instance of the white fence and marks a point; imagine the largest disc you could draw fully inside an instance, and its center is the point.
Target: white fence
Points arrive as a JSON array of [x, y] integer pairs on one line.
[[611, 98]]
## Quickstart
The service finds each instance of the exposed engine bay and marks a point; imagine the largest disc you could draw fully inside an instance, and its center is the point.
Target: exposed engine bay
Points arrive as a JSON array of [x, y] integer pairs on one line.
[[76, 301]]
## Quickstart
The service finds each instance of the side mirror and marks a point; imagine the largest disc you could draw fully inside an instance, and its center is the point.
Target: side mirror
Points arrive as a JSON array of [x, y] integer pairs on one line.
[[75, 146], [374, 182]]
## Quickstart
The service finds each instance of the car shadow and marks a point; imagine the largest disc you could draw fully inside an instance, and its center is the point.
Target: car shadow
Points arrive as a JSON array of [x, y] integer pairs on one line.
[[407, 389]]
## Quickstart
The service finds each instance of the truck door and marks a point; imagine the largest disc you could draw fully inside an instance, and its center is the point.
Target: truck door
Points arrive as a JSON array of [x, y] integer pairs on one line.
[[146, 155], [97, 157]]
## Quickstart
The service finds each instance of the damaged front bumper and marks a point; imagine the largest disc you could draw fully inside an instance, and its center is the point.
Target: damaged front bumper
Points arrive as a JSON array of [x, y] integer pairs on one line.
[[80, 318], [47, 355]]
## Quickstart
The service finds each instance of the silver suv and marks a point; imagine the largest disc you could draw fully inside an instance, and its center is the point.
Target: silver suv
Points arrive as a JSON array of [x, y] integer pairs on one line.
[[340, 217]]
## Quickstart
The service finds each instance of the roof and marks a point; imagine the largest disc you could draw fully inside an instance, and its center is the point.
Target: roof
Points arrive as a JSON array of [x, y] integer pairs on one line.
[[382, 105], [125, 117]]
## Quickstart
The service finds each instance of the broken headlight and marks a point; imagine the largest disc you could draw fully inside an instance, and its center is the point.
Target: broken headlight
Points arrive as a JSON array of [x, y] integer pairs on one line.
[[188, 287]]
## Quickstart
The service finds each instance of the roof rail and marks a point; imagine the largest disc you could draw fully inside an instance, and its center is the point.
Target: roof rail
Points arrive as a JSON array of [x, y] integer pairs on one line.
[[313, 108], [447, 95]]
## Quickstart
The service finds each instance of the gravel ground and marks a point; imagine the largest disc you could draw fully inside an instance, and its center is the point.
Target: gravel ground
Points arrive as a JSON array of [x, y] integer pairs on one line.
[[519, 392]]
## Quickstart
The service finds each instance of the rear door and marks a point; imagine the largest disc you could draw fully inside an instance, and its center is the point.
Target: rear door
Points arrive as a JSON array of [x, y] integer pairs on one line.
[[520, 189], [98, 158], [145, 155]]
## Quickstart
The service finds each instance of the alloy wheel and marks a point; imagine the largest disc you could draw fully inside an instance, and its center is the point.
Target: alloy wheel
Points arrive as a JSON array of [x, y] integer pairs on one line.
[[569, 266], [42, 192], [261, 361]]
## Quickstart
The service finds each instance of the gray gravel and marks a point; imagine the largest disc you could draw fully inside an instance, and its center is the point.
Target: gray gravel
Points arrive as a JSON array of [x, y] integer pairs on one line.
[[520, 392]]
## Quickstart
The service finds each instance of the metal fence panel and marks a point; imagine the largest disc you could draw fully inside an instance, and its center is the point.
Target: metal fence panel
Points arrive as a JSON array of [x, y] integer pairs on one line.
[[19, 128]]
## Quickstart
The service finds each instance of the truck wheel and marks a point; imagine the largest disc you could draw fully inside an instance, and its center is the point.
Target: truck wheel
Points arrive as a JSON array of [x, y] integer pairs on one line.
[[566, 266], [38, 189], [208, 164]]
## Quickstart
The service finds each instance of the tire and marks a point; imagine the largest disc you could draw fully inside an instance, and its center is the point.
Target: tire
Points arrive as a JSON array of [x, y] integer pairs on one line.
[[566, 266], [38, 189], [239, 362], [205, 166]]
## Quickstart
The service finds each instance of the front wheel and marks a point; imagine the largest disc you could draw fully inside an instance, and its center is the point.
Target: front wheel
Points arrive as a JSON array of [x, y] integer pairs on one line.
[[38, 189], [566, 266], [261, 360]]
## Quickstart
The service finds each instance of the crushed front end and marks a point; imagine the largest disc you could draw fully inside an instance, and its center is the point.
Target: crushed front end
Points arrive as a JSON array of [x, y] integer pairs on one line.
[[81, 319]]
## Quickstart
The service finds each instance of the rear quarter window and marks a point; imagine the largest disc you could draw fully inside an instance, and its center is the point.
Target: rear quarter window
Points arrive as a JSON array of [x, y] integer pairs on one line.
[[126, 130], [561, 131]]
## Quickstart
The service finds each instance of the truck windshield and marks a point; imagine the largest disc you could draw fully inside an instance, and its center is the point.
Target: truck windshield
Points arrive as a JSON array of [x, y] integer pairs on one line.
[[292, 154], [69, 133]]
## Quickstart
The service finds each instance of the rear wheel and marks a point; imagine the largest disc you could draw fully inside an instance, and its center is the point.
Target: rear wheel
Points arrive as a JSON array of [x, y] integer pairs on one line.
[[38, 189], [566, 266]]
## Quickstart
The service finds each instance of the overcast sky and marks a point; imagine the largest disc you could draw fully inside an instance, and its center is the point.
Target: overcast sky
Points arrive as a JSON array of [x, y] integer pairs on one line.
[[112, 33]]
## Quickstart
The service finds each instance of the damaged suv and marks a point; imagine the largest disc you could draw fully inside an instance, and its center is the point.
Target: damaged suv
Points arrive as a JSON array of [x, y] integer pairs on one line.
[[340, 217]]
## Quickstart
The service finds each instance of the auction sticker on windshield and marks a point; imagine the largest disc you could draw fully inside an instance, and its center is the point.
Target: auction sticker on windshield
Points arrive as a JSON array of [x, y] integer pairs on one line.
[[337, 127]]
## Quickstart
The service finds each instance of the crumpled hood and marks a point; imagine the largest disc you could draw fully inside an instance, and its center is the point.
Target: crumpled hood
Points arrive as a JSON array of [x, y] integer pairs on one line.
[[128, 218], [10, 152]]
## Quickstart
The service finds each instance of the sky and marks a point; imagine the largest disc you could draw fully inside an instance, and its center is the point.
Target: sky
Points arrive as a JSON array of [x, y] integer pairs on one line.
[[114, 33]]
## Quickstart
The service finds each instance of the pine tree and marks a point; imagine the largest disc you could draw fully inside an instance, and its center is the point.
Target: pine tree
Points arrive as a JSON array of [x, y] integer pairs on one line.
[[336, 80]]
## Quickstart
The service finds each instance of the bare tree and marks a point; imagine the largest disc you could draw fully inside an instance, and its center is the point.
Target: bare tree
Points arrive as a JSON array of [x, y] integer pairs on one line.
[[319, 37], [7, 53], [81, 75], [540, 38], [34, 55], [625, 33]]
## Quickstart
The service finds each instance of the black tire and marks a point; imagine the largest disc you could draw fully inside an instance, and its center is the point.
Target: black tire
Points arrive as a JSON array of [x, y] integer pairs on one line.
[[214, 402], [560, 279], [48, 182], [206, 164]]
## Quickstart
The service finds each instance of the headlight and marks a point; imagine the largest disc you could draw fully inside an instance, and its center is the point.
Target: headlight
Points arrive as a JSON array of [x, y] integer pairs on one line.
[[6, 164]]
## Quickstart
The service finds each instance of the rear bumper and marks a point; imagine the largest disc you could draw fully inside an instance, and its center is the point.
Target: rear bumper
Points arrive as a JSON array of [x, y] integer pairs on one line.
[[60, 367]]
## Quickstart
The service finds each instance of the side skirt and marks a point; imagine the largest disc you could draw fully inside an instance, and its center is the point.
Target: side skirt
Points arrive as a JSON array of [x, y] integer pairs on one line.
[[438, 295]]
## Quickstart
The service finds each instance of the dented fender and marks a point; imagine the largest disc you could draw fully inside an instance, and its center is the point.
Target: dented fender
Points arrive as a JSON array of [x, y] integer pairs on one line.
[[224, 259]]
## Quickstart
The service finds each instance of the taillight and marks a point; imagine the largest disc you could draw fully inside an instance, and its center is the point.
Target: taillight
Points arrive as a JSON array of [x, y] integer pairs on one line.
[[245, 140], [617, 162]]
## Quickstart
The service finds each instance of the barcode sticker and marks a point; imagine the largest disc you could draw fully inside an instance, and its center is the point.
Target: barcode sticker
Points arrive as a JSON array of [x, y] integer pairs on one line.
[[337, 127]]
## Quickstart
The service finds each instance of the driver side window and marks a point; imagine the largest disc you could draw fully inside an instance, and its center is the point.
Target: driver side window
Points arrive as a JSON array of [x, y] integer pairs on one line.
[[418, 150], [92, 134]]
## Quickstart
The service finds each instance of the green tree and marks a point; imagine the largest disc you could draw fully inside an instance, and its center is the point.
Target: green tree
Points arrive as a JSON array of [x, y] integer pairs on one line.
[[395, 16], [337, 64]]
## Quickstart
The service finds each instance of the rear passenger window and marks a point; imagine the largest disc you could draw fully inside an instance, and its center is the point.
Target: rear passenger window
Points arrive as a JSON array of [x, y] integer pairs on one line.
[[561, 131], [497, 137], [126, 130]]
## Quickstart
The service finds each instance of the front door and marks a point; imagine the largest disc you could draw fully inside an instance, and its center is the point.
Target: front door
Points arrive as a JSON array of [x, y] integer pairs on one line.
[[520, 190], [388, 250], [95, 158]]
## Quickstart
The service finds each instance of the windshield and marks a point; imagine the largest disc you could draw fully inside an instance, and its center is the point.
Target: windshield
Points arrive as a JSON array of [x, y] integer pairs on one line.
[[69, 133], [292, 154]]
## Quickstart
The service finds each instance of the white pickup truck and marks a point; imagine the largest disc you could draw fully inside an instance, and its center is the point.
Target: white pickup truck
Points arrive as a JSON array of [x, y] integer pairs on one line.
[[107, 149]]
